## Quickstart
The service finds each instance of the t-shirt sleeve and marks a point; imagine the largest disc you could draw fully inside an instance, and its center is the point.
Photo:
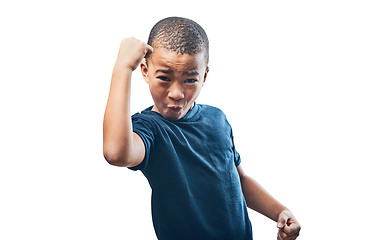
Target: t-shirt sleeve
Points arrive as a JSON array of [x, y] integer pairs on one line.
[[237, 158], [144, 128]]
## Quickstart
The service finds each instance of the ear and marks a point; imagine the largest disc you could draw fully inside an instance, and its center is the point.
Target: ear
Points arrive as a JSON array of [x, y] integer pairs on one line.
[[144, 71], [205, 75]]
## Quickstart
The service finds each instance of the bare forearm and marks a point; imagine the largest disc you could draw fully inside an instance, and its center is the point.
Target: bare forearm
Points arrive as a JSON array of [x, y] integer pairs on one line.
[[259, 199], [121, 146], [117, 127]]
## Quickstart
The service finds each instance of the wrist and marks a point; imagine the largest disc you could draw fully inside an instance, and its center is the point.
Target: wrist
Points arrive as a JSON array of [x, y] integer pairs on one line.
[[122, 67], [121, 71], [279, 210]]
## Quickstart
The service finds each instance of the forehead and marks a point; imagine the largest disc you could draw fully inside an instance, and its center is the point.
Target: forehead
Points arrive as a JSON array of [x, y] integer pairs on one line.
[[167, 59]]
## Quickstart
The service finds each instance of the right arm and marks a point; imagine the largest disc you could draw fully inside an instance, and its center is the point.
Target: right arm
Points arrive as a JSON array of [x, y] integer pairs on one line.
[[121, 146]]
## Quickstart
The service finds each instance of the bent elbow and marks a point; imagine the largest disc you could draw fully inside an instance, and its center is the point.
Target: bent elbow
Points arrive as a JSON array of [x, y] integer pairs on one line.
[[115, 158]]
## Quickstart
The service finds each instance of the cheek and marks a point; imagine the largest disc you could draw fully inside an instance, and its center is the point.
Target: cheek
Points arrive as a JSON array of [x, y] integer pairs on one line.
[[192, 93], [157, 90]]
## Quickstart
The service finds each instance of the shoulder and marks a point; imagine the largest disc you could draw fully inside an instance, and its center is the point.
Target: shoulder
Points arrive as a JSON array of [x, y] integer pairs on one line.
[[145, 119], [213, 117], [145, 115], [141, 118], [212, 111], [209, 108]]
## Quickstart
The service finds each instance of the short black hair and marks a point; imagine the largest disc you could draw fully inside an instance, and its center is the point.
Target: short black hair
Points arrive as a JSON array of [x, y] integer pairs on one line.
[[181, 35]]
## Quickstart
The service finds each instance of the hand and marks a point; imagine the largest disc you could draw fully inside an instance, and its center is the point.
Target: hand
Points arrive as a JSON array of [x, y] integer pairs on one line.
[[288, 226], [132, 52]]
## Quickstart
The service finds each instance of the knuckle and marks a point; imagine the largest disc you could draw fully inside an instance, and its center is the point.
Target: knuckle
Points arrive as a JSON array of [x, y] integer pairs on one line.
[[288, 231], [280, 235]]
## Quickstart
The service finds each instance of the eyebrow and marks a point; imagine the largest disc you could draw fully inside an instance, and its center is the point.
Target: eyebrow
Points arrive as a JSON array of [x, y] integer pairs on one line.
[[163, 71], [191, 73], [167, 71]]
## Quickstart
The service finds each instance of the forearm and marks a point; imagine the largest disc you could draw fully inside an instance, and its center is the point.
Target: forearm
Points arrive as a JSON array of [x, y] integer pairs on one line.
[[121, 146], [259, 199], [117, 126]]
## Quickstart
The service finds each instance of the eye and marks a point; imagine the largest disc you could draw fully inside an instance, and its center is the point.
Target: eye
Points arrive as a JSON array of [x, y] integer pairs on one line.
[[163, 78], [190, 80]]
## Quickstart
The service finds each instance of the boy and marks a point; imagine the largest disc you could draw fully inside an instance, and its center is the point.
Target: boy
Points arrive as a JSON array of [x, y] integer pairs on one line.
[[185, 150]]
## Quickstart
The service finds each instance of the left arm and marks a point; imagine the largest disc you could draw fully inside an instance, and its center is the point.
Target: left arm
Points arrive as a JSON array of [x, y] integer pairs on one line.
[[258, 199]]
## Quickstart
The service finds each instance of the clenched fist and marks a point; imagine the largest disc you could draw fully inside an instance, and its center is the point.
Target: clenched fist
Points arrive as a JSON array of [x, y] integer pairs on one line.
[[131, 53], [288, 226]]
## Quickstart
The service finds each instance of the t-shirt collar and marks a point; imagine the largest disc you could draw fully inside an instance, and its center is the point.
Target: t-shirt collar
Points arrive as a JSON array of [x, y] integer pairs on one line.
[[190, 114]]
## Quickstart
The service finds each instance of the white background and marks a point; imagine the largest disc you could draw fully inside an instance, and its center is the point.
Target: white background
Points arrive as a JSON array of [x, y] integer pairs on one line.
[[292, 77]]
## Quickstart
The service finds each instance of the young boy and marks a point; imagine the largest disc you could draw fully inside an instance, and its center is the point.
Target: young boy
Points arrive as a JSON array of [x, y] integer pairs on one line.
[[184, 149]]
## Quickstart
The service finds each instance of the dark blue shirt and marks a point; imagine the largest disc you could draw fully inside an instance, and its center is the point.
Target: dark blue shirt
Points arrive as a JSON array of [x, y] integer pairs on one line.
[[191, 167]]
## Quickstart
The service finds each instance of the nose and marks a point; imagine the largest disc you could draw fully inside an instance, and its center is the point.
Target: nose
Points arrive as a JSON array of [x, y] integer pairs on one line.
[[176, 92]]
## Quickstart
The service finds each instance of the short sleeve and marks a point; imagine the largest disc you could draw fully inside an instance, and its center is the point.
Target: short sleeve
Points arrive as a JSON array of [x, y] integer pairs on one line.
[[144, 128], [237, 159]]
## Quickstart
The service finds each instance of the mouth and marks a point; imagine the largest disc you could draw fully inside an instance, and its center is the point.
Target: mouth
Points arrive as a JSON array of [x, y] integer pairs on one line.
[[175, 109]]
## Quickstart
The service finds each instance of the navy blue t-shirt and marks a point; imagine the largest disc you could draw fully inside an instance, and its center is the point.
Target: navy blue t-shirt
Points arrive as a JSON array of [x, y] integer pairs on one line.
[[191, 167]]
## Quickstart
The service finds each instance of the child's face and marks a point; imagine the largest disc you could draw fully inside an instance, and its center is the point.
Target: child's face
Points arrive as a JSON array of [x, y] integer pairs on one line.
[[174, 81]]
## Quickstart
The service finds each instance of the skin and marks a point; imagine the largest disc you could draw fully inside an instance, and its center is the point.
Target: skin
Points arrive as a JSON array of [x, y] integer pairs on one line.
[[175, 82]]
